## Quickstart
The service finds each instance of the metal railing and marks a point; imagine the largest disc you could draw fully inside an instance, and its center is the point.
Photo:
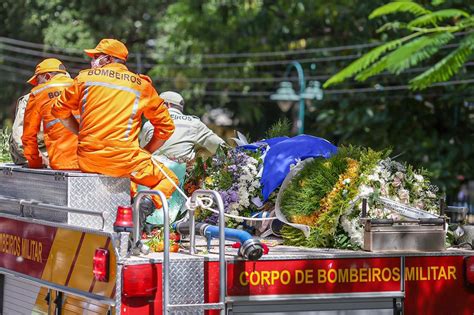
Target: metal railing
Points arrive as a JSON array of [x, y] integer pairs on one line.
[[193, 204], [46, 206]]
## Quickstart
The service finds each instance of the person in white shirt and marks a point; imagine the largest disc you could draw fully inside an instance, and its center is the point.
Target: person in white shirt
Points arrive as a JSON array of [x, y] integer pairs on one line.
[[190, 132]]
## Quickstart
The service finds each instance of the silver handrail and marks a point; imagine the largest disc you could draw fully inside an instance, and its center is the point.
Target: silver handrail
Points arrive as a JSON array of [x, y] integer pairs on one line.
[[222, 267], [166, 223], [48, 206], [166, 251]]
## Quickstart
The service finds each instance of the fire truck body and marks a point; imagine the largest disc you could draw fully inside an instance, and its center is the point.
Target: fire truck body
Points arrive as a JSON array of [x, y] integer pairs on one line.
[[60, 255]]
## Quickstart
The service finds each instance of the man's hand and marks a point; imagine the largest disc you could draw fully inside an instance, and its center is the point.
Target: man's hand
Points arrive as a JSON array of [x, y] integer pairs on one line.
[[154, 145]]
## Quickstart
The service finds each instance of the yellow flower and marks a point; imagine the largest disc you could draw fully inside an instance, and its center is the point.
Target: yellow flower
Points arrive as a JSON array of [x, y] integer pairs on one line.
[[209, 180]]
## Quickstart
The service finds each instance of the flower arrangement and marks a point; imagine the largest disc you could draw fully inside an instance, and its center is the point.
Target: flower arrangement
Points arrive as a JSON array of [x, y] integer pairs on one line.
[[395, 181], [326, 196], [234, 174]]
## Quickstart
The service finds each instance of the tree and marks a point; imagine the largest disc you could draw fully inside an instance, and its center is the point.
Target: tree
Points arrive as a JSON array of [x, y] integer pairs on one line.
[[422, 38]]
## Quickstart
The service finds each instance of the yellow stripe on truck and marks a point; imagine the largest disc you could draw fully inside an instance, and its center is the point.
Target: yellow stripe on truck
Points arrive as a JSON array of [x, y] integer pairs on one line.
[[70, 263], [82, 275], [59, 262], [61, 257]]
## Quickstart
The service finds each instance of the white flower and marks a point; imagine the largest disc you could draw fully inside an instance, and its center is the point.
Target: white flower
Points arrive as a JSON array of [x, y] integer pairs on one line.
[[373, 177], [404, 195], [430, 194], [419, 178], [396, 182], [354, 230], [399, 175], [365, 190], [420, 204], [385, 174], [346, 181]]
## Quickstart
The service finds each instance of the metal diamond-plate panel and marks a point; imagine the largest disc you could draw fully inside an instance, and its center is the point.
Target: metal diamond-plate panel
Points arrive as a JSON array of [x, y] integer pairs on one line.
[[42, 187], [186, 284], [98, 193], [33, 186]]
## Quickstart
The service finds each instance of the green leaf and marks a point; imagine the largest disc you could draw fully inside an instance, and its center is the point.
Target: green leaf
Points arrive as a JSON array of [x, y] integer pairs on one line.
[[446, 67], [391, 26], [363, 62], [436, 3], [374, 69], [407, 55], [438, 16], [399, 6], [416, 51]]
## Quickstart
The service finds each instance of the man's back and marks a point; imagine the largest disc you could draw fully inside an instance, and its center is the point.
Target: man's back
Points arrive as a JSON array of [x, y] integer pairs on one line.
[[16, 145], [189, 136], [111, 101], [61, 144]]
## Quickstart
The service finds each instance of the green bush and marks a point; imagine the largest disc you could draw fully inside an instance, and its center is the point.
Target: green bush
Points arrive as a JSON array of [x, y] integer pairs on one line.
[[5, 145]]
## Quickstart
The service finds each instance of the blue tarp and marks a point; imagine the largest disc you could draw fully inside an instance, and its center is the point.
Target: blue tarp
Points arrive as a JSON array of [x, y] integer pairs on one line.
[[285, 151]]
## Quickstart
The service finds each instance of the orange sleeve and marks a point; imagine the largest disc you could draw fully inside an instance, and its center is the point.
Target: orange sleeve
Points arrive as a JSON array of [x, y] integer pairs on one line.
[[157, 113], [68, 101], [31, 127]]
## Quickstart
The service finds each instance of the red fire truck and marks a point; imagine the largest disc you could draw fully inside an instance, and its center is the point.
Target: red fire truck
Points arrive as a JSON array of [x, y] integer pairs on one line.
[[68, 245]]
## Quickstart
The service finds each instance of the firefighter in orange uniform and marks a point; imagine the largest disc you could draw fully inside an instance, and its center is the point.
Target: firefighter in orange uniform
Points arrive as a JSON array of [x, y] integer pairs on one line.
[[111, 101], [49, 80]]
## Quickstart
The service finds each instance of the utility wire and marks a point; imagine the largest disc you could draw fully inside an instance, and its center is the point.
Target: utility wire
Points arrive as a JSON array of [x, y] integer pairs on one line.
[[340, 91], [199, 65], [207, 56], [211, 55]]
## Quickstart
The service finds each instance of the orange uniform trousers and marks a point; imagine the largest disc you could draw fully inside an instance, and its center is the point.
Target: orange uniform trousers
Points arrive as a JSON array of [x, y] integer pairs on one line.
[[140, 167]]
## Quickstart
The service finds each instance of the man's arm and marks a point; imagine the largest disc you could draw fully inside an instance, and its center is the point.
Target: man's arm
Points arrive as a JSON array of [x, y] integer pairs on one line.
[[157, 113], [207, 139], [16, 145], [68, 101], [154, 145], [31, 127]]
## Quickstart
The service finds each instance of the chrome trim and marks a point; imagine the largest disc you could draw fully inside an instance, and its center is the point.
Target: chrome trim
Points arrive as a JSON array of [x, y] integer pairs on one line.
[[314, 297], [49, 285], [45, 206], [55, 224]]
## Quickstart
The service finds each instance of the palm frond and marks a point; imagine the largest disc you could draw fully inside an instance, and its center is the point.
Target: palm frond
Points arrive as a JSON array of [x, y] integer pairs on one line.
[[399, 6], [446, 67], [363, 62], [374, 69], [416, 51], [407, 55], [437, 16]]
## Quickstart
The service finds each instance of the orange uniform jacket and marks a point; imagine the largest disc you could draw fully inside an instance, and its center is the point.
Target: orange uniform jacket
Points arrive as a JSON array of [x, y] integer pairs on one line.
[[61, 144], [112, 101]]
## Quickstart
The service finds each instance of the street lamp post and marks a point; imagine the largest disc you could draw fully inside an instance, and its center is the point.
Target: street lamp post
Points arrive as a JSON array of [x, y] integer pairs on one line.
[[286, 96]]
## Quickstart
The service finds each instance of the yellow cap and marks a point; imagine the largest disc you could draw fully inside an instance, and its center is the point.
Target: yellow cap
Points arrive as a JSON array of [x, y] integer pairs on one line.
[[111, 47], [47, 65]]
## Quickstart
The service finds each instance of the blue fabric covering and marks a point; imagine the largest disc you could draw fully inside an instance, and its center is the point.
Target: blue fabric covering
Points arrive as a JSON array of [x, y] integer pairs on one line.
[[270, 142], [284, 152]]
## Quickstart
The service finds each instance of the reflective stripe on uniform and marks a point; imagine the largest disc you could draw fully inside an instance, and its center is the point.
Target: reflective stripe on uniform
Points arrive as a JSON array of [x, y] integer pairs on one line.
[[50, 86], [83, 107], [55, 121], [120, 88]]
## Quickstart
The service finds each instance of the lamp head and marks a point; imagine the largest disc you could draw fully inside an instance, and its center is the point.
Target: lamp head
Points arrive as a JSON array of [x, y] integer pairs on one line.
[[285, 96]]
